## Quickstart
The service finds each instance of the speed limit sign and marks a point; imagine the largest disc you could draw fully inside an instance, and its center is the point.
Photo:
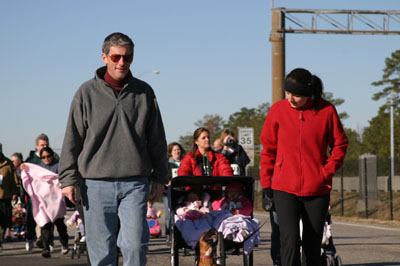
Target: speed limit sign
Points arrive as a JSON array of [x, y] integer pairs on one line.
[[246, 136]]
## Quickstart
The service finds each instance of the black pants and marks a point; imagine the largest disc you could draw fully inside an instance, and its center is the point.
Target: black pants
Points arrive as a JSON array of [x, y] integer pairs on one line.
[[30, 222], [275, 241], [312, 210], [47, 236], [5, 216]]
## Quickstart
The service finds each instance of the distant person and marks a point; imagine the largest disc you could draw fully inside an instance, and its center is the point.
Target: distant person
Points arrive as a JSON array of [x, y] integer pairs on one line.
[[175, 156], [304, 144], [17, 159], [202, 160], [48, 204], [42, 141], [217, 145], [48, 160], [9, 190], [234, 152], [114, 144]]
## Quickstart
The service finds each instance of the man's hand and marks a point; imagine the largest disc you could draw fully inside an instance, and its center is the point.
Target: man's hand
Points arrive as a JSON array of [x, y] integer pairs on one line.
[[159, 189], [70, 193]]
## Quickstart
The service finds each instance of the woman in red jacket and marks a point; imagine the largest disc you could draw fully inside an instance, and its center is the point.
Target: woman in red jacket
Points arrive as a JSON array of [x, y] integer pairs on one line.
[[296, 165], [202, 160]]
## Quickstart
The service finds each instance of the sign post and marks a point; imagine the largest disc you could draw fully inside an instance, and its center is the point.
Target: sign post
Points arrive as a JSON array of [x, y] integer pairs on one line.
[[246, 140]]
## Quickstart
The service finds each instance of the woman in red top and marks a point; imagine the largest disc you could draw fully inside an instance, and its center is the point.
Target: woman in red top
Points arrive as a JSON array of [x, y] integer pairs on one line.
[[202, 160], [304, 144]]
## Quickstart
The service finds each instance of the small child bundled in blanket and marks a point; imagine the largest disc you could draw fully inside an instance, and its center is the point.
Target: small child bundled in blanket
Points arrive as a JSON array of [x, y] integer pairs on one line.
[[193, 219], [238, 225]]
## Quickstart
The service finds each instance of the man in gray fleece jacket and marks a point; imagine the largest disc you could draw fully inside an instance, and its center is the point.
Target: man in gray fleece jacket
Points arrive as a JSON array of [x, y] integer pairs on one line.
[[114, 145]]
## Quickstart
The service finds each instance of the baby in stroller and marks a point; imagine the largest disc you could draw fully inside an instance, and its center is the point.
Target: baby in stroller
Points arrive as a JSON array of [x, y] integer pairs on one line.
[[192, 218], [237, 225]]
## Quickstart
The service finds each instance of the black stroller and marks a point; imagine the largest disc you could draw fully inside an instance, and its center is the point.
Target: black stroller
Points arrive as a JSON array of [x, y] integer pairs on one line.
[[224, 247]]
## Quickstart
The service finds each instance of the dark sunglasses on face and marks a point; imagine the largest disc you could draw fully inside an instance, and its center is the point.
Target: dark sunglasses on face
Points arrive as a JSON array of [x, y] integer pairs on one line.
[[46, 157], [116, 57]]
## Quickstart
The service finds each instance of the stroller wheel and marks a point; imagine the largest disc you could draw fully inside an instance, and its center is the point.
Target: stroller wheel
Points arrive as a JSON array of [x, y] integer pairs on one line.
[[325, 260], [174, 250], [221, 250], [338, 260]]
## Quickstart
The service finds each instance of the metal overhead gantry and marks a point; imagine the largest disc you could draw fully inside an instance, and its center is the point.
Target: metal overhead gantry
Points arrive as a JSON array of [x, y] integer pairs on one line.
[[322, 21]]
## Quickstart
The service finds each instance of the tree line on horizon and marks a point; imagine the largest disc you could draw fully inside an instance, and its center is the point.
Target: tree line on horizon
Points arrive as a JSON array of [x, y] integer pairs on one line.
[[374, 138]]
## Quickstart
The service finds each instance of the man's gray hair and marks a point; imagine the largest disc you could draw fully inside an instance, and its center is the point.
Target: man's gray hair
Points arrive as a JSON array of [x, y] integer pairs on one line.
[[42, 137], [117, 39]]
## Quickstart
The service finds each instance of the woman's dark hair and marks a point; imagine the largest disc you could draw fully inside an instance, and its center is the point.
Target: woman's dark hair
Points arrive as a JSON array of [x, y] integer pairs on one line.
[[47, 149], [196, 135], [171, 146], [304, 78]]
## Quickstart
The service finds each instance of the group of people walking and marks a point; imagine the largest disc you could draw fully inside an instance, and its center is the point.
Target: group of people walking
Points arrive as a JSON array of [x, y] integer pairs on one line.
[[115, 146]]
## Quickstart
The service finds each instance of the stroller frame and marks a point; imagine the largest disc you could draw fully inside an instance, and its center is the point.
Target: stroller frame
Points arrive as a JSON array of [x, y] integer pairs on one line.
[[176, 191]]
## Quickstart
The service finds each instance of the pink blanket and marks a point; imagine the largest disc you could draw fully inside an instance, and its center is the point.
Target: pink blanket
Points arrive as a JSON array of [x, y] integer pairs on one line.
[[45, 191]]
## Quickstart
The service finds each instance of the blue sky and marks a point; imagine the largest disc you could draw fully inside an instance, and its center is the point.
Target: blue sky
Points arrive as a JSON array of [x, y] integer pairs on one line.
[[213, 57]]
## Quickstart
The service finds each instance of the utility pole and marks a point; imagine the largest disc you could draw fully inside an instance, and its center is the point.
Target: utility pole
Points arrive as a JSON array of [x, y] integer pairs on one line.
[[322, 21]]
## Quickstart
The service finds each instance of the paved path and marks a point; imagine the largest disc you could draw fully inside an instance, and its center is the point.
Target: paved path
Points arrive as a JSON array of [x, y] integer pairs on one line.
[[357, 244]]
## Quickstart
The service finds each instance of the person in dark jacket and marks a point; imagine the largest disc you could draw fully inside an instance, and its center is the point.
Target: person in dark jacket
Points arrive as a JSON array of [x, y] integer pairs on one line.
[[9, 190], [114, 145], [304, 144], [234, 152]]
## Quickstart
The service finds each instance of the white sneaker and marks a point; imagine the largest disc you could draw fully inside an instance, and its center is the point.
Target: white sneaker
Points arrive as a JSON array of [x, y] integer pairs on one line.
[[64, 250], [29, 245], [83, 239], [51, 248]]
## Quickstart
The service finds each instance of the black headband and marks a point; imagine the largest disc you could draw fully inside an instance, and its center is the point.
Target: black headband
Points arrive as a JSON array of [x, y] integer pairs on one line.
[[298, 89]]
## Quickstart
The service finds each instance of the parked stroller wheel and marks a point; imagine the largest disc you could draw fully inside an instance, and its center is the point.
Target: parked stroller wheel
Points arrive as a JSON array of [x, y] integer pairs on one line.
[[325, 260], [221, 256], [338, 260], [248, 259], [174, 250]]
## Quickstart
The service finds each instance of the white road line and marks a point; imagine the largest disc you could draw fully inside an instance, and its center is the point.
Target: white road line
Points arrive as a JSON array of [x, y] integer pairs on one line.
[[367, 226]]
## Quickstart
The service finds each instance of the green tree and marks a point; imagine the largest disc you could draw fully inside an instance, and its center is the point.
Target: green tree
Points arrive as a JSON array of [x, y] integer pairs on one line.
[[390, 78], [250, 117], [186, 142], [214, 123], [336, 102]]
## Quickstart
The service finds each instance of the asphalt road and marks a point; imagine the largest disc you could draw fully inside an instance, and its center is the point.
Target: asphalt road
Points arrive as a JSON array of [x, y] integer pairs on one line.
[[357, 244]]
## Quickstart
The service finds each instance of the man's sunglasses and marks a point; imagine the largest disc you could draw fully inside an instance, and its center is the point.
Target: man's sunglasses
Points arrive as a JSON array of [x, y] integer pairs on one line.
[[116, 57], [46, 157]]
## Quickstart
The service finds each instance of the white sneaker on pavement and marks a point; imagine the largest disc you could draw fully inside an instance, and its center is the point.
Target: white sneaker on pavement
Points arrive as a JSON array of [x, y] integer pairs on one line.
[[29, 245], [51, 248], [64, 250]]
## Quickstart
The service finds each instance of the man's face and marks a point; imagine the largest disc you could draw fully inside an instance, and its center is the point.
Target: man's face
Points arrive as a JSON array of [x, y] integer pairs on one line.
[[41, 144], [123, 59]]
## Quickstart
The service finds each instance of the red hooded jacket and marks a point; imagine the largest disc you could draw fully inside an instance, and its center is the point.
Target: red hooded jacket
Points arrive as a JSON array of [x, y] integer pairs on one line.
[[295, 144], [220, 165]]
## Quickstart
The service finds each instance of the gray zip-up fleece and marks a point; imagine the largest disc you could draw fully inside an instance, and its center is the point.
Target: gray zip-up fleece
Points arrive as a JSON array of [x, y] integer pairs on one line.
[[111, 136]]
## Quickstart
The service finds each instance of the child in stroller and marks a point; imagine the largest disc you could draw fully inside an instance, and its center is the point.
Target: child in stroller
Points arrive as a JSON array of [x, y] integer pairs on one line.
[[18, 219], [151, 217], [192, 217]]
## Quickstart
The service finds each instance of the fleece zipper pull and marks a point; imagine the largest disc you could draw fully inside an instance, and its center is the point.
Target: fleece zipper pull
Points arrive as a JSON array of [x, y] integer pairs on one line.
[[301, 117]]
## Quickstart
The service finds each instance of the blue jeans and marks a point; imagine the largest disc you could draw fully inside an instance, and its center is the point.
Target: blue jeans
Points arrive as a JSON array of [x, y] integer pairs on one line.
[[106, 200]]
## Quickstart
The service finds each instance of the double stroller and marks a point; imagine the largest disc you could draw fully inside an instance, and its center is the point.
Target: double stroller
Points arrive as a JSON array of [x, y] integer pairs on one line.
[[207, 184]]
